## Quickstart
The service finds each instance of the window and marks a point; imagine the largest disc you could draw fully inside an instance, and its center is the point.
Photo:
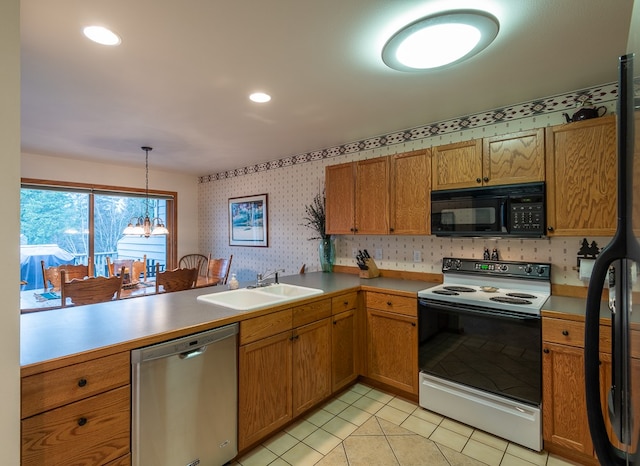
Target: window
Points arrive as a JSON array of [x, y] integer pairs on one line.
[[70, 224]]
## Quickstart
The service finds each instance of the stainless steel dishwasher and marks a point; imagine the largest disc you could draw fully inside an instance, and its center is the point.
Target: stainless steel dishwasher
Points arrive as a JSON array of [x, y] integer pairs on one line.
[[184, 400]]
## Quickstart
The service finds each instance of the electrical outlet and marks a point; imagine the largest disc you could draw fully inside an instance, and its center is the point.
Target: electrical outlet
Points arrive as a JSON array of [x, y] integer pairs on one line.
[[378, 253], [354, 252], [417, 257]]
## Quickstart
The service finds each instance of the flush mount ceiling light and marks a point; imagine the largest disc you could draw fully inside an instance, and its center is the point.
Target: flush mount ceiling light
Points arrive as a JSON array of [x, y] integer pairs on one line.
[[440, 40], [260, 97], [101, 35], [144, 225]]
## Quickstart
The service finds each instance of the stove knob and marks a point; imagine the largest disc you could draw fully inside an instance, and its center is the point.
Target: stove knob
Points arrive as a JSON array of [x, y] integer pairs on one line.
[[528, 269], [503, 267], [458, 264], [447, 264], [541, 270]]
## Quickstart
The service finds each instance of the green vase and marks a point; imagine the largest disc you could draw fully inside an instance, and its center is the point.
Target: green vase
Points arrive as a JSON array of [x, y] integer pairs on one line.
[[327, 251]]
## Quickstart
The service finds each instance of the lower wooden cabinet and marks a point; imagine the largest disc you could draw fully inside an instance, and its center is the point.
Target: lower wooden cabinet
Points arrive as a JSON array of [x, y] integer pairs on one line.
[[344, 334], [282, 375], [79, 414], [264, 395], [564, 407], [392, 341], [565, 423]]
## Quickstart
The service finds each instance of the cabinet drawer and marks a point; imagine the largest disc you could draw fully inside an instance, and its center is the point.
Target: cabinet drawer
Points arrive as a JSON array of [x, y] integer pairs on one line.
[[93, 431], [51, 389], [308, 313], [393, 303], [265, 326], [569, 332], [344, 302]]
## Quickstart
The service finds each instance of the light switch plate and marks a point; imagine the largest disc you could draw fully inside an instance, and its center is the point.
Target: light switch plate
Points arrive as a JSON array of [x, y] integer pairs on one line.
[[378, 253], [354, 252], [417, 256]]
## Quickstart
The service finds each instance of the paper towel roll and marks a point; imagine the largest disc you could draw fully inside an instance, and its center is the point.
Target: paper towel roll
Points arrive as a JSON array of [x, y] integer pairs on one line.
[[586, 267]]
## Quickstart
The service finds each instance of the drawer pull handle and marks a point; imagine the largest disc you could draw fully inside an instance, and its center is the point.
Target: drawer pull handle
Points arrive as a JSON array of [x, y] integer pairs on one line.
[[346, 303], [389, 303], [82, 421], [82, 382], [565, 332], [546, 350], [335, 322]]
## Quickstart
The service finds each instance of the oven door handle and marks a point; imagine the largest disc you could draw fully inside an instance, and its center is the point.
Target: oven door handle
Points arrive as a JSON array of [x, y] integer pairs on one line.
[[461, 309]]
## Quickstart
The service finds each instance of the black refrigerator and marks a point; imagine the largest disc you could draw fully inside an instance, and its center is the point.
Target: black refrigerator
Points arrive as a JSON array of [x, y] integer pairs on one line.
[[613, 390]]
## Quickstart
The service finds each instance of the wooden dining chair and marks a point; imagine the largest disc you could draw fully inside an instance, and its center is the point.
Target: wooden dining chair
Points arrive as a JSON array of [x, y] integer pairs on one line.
[[175, 280], [51, 275], [219, 269], [90, 290], [197, 261]]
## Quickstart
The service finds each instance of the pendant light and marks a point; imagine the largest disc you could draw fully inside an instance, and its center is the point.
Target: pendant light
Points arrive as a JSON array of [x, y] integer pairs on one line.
[[144, 225]]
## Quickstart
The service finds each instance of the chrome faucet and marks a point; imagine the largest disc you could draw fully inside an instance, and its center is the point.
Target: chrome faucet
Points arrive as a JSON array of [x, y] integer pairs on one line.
[[262, 276]]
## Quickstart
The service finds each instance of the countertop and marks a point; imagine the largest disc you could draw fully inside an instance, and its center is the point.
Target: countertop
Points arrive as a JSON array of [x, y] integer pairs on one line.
[[100, 329]]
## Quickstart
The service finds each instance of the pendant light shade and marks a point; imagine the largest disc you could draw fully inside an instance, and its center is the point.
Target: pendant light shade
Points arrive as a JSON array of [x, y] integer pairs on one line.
[[144, 225]]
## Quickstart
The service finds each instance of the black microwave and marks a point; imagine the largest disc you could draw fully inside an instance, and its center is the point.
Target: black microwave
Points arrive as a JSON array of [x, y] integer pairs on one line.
[[509, 210]]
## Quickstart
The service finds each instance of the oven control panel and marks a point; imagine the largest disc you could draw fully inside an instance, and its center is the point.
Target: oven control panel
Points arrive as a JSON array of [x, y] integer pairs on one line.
[[529, 270]]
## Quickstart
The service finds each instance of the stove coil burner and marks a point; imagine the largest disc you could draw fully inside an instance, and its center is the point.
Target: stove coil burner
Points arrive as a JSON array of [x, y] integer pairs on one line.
[[446, 292], [509, 300], [459, 289], [521, 295]]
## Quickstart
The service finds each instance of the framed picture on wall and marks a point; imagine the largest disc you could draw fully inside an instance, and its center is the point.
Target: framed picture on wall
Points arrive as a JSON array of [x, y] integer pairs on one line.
[[248, 221]]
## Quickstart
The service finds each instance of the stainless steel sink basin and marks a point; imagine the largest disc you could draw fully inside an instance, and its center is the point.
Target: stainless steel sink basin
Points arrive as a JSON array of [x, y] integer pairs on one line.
[[246, 299]]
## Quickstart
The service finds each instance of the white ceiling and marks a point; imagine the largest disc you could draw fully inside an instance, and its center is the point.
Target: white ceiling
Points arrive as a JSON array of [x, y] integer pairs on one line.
[[181, 77]]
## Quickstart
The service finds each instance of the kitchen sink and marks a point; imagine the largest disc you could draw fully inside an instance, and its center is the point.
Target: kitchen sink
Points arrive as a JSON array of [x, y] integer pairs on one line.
[[248, 299]]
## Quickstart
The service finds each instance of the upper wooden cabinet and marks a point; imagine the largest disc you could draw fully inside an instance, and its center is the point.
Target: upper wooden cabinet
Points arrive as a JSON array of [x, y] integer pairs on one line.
[[410, 189], [357, 197], [506, 159], [581, 178], [380, 196], [457, 165]]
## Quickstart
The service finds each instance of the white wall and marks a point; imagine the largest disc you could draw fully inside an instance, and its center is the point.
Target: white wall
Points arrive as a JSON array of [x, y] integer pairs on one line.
[[61, 169], [10, 231]]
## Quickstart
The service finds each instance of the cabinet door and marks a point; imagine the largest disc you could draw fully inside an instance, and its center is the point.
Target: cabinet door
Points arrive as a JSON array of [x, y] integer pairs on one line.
[[457, 165], [513, 158], [264, 387], [605, 386], [311, 364], [372, 196], [581, 171], [340, 199], [563, 400], [343, 344], [392, 349], [410, 188]]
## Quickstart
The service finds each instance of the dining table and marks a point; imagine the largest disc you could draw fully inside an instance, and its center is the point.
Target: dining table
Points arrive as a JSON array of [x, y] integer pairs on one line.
[[42, 300]]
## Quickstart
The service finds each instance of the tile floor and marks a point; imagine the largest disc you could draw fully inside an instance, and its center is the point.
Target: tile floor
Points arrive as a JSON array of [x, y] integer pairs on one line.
[[364, 426]]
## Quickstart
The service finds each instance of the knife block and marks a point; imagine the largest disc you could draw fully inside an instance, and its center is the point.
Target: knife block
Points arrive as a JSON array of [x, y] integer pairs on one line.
[[372, 271]]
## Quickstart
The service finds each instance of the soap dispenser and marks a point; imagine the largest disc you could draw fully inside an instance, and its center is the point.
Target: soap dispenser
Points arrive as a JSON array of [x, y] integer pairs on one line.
[[233, 282]]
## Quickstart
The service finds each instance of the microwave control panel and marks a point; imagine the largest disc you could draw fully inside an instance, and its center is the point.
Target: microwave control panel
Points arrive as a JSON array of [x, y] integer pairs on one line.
[[527, 217]]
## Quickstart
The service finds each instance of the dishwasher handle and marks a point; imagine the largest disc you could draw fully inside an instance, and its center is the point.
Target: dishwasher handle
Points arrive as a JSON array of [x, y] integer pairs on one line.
[[193, 353]]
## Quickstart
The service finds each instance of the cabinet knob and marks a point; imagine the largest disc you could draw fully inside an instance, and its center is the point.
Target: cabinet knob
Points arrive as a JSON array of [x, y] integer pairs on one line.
[[546, 350], [82, 421], [391, 230], [478, 180], [82, 382], [550, 228], [335, 322], [352, 229], [413, 324], [485, 179], [565, 332], [389, 303], [346, 303]]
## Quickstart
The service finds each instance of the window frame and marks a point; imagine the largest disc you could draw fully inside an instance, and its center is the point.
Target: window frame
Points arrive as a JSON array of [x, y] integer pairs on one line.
[[171, 198]]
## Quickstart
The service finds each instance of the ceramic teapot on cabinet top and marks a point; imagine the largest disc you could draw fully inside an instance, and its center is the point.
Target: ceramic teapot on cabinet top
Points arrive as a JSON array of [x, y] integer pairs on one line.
[[585, 112]]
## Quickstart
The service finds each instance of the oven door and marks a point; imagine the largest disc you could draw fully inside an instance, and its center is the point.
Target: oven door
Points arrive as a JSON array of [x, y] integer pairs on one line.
[[489, 350], [467, 215]]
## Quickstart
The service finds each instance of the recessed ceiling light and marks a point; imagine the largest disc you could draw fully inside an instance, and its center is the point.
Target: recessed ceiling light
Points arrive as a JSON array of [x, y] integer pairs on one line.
[[440, 40], [101, 35], [260, 97]]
